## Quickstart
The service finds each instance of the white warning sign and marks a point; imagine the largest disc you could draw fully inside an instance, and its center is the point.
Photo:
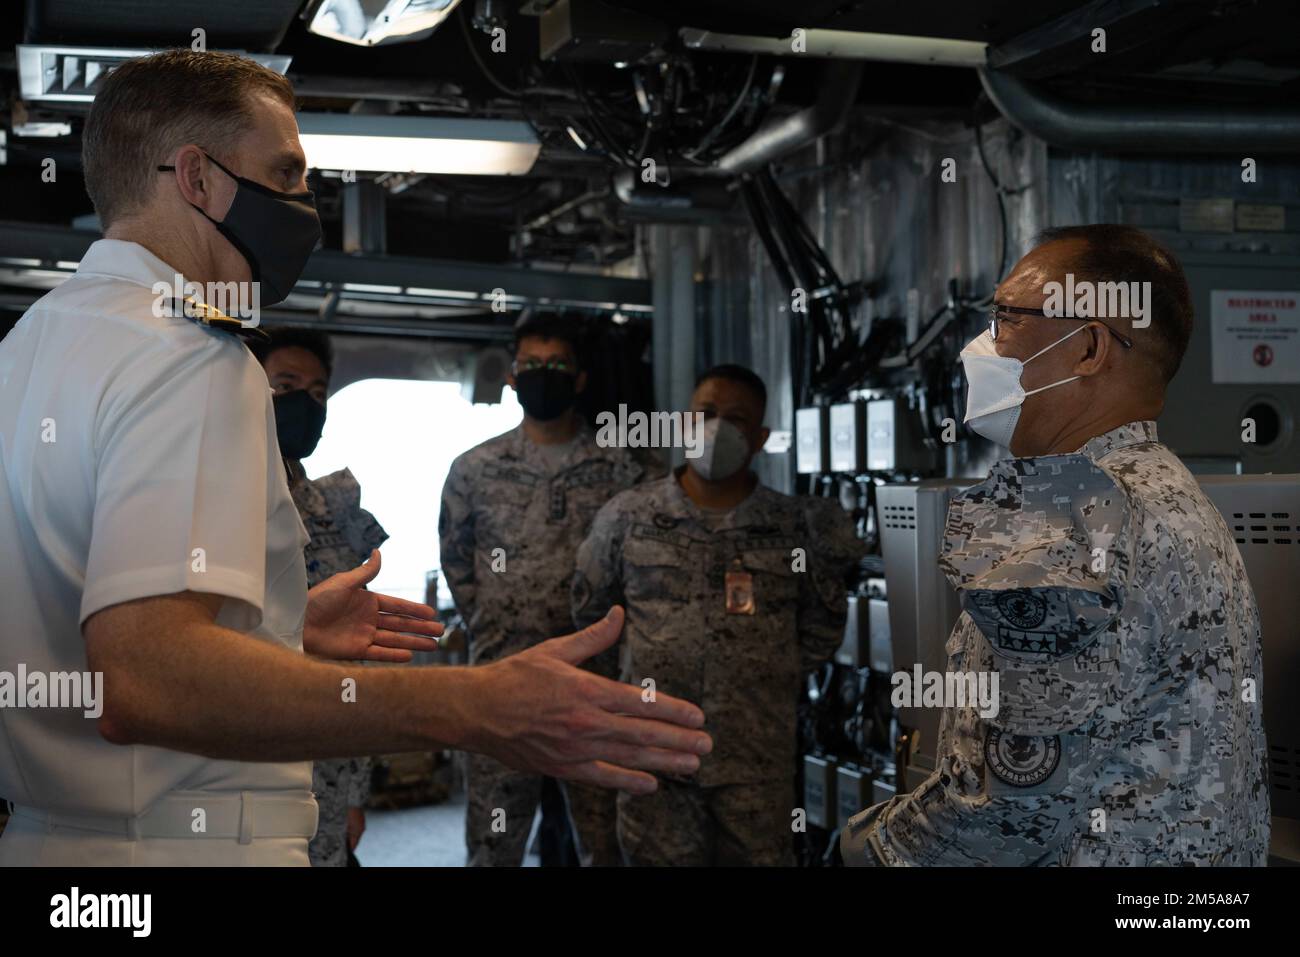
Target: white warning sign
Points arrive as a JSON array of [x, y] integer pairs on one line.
[[1256, 335]]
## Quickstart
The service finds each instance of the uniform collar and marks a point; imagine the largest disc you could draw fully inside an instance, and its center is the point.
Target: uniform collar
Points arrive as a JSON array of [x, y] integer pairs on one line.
[[1132, 433], [128, 261], [295, 471], [131, 262], [526, 450], [517, 442], [735, 517], [1096, 448]]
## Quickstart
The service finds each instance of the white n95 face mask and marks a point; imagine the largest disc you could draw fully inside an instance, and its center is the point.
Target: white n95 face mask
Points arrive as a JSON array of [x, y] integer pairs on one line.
[[994, 394], [724, 450]]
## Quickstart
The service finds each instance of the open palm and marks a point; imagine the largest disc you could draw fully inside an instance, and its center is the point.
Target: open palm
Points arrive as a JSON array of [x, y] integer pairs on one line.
[[346, 621]]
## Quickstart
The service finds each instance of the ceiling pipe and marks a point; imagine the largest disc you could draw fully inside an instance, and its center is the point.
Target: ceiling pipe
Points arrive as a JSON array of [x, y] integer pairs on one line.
[[779, 138], [844, 44], [1143, 129]]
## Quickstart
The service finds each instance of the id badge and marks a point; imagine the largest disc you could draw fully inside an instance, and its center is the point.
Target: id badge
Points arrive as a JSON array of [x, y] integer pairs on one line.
[[740, 592]]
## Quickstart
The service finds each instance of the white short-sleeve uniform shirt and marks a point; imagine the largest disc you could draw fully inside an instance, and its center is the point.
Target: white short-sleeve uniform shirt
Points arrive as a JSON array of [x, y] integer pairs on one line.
[[137, 458]]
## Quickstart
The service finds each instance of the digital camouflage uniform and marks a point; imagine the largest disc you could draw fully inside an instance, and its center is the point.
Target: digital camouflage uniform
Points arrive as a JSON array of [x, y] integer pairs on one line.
[[1107, 593], [342, 536], [508, 495], [666, 561]]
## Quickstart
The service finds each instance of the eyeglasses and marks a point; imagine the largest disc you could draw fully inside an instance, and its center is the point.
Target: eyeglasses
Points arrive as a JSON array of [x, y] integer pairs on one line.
[[532, 365], [996, 310]]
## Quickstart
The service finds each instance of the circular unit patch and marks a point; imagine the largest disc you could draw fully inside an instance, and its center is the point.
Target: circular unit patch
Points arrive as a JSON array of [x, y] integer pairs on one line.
[[1022, 761], [1020, 609]]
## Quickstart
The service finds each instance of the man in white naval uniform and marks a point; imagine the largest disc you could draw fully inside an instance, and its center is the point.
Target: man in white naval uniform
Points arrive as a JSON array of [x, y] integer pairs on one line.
[[149, 535]]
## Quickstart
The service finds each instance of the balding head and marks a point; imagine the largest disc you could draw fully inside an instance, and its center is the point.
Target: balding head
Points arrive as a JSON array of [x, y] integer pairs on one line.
[[1110, 253], [1120, 361]]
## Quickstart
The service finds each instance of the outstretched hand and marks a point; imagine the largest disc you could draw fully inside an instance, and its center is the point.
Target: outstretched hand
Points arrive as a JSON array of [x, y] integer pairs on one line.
[[538, 711], [345, 621]]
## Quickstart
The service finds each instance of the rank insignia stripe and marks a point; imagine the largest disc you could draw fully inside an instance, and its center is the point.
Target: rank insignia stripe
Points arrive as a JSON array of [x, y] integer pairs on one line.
[[206, 315]]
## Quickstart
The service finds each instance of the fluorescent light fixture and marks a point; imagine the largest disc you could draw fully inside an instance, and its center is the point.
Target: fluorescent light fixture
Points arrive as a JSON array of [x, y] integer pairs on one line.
[[51, 129], [847, 44], [370, 23], [440, 293], [59, 74], [366, 287], [417, 144]]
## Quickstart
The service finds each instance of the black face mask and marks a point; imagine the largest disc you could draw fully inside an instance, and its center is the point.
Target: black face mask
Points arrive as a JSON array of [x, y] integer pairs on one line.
[[275, 233], [546, 394], [299, 420]]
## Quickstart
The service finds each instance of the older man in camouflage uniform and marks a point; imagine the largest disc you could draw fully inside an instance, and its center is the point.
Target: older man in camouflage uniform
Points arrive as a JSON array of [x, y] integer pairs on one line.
[[1105, 591], [514, 511], [732, 591], [298, 364]]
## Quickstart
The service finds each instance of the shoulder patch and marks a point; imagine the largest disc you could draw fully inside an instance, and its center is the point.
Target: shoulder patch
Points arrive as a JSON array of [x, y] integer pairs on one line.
[[1021, 609], [1021, 761]]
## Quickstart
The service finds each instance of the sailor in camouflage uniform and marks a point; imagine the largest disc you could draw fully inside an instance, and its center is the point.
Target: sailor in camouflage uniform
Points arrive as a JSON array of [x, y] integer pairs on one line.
[[514, 511], [1105, 591], [732, 591], [343, 534]]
